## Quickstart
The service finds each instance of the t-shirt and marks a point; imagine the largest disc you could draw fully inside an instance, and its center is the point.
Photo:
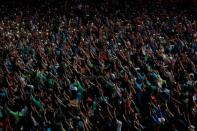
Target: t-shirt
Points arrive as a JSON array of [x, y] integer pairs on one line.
[[119, 125], [1, 114], [36, 102], [94, 105], [3, 93], [16, 115], [51, 82], [41, 76]]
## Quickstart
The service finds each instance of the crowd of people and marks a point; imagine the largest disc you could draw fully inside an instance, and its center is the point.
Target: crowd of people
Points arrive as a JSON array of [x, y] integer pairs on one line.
[[91, 66]]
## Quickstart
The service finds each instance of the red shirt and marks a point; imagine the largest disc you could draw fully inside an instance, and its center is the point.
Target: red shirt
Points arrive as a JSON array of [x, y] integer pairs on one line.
[[103, 56]]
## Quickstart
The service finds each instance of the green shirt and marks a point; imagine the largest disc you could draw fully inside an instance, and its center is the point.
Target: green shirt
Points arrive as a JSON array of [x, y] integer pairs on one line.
[[41, 76], [16, 115], [37, 103], [51, 82]]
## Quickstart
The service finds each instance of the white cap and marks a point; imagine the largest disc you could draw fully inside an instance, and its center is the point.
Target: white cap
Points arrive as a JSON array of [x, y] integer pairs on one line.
[[74, 88], [113, 76], [191, 75]]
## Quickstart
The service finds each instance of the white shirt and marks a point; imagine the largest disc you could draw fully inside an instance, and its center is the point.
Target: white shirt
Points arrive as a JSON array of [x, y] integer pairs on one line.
[[119, 125]]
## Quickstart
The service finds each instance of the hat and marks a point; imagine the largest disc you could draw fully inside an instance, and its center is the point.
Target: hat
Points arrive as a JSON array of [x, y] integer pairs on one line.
[[191, 75], [73, 88], [113, 76]]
